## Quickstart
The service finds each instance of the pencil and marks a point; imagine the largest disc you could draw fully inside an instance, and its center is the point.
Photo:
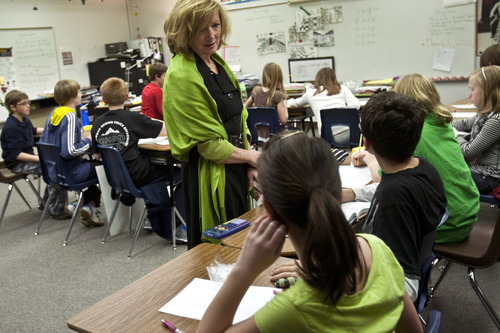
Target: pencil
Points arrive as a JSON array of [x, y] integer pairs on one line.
[[359, 147]]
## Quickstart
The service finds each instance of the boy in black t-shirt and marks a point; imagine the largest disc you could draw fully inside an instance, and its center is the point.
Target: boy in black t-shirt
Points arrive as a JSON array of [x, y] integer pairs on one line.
[[410, 200]]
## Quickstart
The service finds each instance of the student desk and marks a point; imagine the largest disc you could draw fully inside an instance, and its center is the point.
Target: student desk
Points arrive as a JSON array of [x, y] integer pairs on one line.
[[299, 115], [135, 307], [238, 239]]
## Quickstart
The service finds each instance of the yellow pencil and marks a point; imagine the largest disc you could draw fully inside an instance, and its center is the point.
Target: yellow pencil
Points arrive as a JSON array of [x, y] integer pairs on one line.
[[359, 147]]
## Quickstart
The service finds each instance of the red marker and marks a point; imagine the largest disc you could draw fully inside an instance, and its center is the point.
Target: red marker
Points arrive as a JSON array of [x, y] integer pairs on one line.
[[171, 327]]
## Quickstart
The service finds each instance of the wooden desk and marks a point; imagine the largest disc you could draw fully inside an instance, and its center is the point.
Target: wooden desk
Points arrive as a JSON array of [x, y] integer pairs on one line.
[[238, 239], [135, 307]]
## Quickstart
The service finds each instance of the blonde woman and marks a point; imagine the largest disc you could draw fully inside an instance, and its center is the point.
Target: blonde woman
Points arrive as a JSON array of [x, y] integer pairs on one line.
[[327, 93], [438, 145], [272, 92]]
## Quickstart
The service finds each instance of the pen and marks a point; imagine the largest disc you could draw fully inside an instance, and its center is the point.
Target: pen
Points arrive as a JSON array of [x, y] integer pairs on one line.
[[171, 327], [359, 148]]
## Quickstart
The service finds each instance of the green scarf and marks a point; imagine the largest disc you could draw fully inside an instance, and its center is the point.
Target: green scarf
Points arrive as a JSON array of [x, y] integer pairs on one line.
[[192, 119]]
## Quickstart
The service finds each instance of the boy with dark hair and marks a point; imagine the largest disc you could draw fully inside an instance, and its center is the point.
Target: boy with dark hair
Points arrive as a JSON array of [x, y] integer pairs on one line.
[[122, 129], [152, 94], [410, 200], [17, 135]]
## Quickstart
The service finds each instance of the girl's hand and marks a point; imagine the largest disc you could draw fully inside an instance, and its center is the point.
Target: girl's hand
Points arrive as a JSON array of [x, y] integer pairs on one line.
[[288, 269], [262, 246]]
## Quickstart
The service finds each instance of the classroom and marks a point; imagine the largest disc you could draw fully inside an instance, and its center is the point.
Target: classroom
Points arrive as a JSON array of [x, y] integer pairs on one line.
[[366, 40]]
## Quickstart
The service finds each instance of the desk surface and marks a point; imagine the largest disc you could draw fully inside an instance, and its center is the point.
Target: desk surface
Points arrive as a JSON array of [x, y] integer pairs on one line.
[[135, 307], [238, 239]]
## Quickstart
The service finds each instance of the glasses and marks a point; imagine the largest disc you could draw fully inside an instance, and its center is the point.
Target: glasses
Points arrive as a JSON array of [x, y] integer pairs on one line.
[[24, 103], [484, 75]]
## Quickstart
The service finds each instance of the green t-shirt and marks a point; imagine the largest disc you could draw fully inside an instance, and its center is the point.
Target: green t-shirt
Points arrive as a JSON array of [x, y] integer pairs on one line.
[[439, 146], [376, 308]]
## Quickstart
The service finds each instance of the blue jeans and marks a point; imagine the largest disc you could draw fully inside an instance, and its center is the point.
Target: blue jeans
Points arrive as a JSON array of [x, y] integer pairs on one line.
[[485, 184]]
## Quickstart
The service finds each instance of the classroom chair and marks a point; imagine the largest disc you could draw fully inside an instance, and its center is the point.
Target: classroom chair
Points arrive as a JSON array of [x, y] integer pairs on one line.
[[489, 199], [51, 162], [340, 127], [263, 122], [299, 116], [121, 182], [10, 178], [481, 249]]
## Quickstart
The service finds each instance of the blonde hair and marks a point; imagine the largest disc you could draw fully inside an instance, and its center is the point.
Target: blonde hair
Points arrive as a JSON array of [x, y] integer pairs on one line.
[[488, 79], [423, 91], [66, 90], [114, 91], [327, 79], [187, 19], [272, 78]]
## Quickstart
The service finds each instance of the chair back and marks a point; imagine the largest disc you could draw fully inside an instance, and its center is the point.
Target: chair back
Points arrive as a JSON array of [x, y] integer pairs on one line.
[[342, 117], [263, 122], [116, 171]]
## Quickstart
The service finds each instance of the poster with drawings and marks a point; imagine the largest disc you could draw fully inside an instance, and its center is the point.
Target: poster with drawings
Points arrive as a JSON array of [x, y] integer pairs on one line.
[[323, 38], [7, 77], [272, 42], [302, 51]]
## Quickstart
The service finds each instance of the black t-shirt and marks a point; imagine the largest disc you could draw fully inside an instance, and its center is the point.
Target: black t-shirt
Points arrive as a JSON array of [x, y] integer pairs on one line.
[[406, 206], [122, 129]]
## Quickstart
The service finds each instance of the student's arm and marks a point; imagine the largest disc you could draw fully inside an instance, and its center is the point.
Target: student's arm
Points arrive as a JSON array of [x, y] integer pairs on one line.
[[158, 100], [298, 102], [282, 112], [348, 195], [39, 130], [350, 100], [163, 131], [368, 160], [249, 102], [25, 157], [487, 137], [262, 247], [71, 144], [408, 322], [464, 125]]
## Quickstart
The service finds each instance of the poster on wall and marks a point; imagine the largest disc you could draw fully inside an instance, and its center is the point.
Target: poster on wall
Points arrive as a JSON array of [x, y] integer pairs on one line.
[[7, 77], [272, 42], [487, 23]]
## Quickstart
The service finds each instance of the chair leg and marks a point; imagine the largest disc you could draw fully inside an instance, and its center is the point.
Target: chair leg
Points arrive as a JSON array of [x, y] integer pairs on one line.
[[130, 217], [137, 230], [21, 194], [51, 194], [482, 297], [113, 213], [73, 218], [433, 287], [34, 189], [6, 202]]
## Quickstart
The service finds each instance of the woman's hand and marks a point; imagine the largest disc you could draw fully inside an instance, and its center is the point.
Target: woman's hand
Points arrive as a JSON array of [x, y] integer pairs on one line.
[[262, 246]]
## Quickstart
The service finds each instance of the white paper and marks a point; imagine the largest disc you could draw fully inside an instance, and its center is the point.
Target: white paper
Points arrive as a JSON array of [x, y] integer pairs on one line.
[[443, 59], [194, 299], [464, 106], [161, 140], [352, 176], [462, 115], [353, 208]]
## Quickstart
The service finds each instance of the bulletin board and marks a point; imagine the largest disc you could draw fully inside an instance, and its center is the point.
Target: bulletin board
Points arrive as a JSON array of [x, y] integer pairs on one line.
[[33, 66], [370, 40]]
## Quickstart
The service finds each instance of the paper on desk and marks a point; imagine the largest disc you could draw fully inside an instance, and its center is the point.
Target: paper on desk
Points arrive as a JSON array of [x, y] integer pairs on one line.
[[462, 115], [464, 106], [161, 140], [193, 301], [352, 176]]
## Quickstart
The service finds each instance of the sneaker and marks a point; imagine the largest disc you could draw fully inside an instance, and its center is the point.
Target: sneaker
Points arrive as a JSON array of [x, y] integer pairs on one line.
[[181, 234], [91, 216], [71, 207], [147, 225]]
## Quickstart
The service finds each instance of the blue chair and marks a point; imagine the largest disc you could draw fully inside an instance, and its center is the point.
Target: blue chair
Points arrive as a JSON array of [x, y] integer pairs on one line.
[[433, 322], [489, 199], [51, 162], [263, 123], [347, 117]]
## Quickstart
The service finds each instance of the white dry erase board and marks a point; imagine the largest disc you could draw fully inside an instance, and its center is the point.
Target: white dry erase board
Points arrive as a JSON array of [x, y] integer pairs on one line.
[[376, 39], [33, 66]]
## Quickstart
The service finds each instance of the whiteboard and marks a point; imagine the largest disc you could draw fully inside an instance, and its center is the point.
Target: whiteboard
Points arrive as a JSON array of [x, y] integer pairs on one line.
[[376, 39], [33, 67]]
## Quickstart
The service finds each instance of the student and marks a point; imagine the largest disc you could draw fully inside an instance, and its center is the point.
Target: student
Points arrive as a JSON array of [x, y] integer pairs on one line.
[[63, 129], [122, 129], [438, 145], [490, 56], [152, 94], [17, 135], [327, 93], [348, 282], [410, 200], [482, 148], [272, 92]]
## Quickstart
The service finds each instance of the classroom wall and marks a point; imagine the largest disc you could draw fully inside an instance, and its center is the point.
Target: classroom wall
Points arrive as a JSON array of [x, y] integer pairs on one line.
[[405, 40]]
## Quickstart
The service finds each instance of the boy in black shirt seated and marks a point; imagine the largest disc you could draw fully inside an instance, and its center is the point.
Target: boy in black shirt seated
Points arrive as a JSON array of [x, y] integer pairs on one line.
[[410, 200]]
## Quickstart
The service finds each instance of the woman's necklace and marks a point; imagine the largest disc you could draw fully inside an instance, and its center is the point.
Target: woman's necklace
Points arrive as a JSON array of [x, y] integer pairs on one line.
[[212, 66]]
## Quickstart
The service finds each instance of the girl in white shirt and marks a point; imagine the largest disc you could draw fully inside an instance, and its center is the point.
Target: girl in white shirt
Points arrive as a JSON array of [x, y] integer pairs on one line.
[[327, 93]]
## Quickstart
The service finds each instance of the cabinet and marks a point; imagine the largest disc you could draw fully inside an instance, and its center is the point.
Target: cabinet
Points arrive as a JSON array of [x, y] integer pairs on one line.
[[103, 69]]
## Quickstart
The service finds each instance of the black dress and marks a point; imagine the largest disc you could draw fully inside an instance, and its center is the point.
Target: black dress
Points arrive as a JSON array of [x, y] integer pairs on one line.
[[229, 106]]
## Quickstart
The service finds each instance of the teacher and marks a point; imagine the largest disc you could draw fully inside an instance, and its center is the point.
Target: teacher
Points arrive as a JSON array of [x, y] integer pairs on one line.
[[205, 118]]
